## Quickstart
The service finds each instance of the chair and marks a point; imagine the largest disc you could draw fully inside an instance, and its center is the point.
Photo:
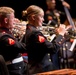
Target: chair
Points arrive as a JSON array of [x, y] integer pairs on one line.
[[3, 67]]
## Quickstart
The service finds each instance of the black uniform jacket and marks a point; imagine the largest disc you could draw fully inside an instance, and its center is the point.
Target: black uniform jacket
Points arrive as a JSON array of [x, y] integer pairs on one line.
[[50, 16], [10, 48], [38, 47]]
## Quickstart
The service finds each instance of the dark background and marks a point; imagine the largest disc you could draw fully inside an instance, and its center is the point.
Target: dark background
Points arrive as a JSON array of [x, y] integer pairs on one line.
[[20, 5]]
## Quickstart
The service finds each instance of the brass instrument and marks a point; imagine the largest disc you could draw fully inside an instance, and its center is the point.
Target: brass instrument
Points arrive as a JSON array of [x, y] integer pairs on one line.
[[48, 31], [19, 30]]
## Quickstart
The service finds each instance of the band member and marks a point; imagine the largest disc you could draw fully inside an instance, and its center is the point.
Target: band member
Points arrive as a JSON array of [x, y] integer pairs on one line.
[[37, 45], [52, 15], [11, 49]]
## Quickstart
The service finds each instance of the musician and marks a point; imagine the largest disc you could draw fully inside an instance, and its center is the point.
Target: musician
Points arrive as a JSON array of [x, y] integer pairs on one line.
[[52, 15], [37, 45], [53, 18], [11, 49]]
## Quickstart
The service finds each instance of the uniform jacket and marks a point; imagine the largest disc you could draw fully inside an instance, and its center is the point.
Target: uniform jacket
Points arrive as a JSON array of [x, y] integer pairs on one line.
[[10, 47], [50, 16], [38, 48]]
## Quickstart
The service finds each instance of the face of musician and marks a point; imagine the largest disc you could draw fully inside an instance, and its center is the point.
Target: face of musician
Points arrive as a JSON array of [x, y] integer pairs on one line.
[[38, 19], [10, 21], [35, 15], [6, 17], [51, 4]]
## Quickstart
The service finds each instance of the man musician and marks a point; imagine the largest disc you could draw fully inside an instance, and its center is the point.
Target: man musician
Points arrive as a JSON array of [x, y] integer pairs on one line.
[[52, 18]]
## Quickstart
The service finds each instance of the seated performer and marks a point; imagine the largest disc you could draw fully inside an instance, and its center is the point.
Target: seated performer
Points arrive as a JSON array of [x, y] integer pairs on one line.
[[37, 45]]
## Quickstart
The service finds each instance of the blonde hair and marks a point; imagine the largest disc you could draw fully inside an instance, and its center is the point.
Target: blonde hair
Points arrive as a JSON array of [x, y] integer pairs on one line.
[[33, 9], [5, 12]]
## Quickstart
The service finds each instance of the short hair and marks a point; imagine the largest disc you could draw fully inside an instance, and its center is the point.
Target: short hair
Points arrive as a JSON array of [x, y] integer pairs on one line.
[[5, 11]]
